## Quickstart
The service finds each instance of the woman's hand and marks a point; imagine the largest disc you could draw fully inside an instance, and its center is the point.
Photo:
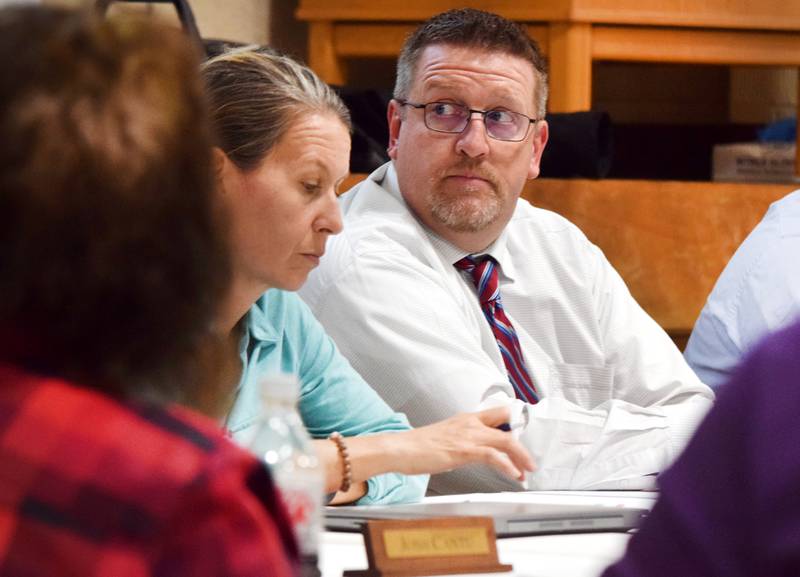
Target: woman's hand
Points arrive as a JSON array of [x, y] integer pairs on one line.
[[464, 439]]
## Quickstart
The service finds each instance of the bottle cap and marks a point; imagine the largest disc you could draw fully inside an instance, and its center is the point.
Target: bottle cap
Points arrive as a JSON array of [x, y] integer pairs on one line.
[[280, 387]]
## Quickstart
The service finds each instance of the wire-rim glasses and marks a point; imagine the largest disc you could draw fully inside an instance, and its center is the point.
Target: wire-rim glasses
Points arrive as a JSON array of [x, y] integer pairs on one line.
[[453, 118]]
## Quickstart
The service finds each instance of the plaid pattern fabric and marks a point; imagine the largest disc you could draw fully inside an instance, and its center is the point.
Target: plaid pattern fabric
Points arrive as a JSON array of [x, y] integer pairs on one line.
[[483, 272], [90, 486]]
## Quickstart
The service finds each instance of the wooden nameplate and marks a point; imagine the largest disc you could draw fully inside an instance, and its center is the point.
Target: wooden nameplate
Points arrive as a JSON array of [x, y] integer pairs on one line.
[[441, 546]]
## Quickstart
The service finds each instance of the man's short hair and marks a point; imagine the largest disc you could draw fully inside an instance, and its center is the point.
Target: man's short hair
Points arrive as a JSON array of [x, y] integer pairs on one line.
[[467, 27], [112, 261]]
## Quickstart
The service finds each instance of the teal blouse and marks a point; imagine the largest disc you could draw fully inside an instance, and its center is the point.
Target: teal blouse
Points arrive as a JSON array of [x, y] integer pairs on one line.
[[282, 336]]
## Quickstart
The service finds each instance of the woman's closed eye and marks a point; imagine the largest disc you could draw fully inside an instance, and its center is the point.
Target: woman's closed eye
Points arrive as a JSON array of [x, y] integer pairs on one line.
[[311, 187]]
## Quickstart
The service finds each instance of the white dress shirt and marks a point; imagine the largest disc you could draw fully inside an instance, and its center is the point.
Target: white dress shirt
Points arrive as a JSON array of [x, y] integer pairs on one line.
[[757, 293], [618, 402]]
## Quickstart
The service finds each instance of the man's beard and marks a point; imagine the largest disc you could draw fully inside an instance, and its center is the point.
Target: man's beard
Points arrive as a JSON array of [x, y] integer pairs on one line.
[[470, 209]]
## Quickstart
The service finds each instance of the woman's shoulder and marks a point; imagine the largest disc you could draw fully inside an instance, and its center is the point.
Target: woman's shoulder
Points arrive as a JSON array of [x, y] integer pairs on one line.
[[276, 303], [280, 311]]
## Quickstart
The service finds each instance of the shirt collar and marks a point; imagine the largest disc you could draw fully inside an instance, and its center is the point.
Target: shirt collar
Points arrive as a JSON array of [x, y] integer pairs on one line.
[[499, 251], [259, 331], [386, 177], [258, 324]]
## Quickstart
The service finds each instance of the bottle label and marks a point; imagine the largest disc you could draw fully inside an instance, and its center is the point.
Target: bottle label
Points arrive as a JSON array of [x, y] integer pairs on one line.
[[302, 496]]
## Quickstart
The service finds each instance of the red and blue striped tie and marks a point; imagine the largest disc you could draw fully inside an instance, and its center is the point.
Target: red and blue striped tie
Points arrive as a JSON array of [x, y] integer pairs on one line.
[[484, 274]]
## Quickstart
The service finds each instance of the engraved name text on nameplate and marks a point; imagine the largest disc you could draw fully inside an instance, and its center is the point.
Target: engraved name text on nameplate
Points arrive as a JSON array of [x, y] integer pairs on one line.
[[440, 542]]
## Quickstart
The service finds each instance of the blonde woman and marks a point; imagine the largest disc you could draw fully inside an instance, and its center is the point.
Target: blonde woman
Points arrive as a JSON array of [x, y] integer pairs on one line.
[[283, 144]]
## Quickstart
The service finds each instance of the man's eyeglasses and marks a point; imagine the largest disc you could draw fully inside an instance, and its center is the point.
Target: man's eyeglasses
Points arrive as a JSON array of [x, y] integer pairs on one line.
[[453, 118]]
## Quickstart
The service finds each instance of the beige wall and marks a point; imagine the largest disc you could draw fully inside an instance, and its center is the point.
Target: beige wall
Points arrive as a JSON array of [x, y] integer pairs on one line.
[[249, 21], [241, 20], [257, 21]]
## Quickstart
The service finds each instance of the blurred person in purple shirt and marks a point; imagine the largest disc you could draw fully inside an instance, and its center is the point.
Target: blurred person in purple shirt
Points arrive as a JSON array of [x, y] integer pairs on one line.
[[730, 505]]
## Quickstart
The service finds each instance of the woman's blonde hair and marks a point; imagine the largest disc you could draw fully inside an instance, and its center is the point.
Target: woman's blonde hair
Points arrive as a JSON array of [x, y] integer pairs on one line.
[[255, 95]]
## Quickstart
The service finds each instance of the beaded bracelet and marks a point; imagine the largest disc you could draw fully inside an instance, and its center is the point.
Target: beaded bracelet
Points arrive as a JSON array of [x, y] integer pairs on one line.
[[347, 469]]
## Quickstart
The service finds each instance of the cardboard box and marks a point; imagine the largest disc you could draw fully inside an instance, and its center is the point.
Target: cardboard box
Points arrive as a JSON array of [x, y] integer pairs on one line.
[[754, 162]]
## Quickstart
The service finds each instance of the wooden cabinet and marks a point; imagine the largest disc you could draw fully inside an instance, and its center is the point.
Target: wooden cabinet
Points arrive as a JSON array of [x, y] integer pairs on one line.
[[573, 34]]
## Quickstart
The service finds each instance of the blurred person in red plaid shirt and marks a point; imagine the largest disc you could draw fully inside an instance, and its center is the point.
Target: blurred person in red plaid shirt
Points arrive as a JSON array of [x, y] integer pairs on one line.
[[111, 261]]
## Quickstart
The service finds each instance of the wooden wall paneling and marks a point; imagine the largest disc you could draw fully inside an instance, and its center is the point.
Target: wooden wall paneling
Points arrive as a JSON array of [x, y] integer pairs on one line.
[[570, 66], [322, 55], [691, 46], [668, 240]]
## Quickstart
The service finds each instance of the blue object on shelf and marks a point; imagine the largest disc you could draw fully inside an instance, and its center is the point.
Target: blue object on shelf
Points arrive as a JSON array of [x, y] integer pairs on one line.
[[784, 130]]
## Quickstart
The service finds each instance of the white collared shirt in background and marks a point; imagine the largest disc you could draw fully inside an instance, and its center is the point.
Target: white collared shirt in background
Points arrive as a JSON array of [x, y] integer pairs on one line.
[[757, 293]]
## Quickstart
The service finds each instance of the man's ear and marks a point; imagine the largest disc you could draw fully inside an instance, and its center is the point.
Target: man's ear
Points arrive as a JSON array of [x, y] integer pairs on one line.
[[395, 121], [538, 141]]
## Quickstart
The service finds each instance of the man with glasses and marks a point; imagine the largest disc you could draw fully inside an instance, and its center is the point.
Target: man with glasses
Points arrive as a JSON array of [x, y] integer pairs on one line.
[[448, 292]]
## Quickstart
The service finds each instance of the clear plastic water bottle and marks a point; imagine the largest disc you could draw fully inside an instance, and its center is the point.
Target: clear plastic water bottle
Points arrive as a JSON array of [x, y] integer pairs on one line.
[[282, 441]]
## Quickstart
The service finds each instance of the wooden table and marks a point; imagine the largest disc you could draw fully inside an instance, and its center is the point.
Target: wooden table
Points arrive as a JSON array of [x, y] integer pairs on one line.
[[572, 555], [573, 34]]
